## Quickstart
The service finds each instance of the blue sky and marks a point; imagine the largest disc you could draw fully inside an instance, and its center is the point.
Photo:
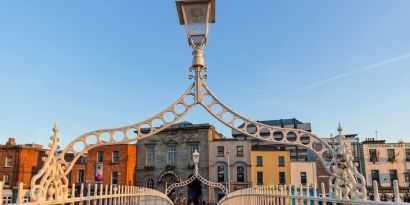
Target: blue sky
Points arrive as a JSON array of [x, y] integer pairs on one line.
[[90, 65]]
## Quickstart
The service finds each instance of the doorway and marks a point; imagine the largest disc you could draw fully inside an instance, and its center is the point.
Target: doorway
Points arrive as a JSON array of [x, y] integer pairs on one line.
[[194, 191]]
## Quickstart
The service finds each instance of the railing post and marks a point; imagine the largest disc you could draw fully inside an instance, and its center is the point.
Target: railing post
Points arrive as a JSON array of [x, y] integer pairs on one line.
[[106, 193], [19, 194], [95, 193], [88, 193], [72, 193], [397, 198], [81, 193], [376, 191]]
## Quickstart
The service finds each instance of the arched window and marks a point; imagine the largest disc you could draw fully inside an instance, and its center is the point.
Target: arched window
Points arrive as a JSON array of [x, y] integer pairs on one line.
[[240, 174], [150, 183]]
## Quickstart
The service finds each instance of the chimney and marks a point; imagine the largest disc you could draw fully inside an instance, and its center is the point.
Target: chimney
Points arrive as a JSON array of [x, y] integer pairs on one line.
[[11, 141]]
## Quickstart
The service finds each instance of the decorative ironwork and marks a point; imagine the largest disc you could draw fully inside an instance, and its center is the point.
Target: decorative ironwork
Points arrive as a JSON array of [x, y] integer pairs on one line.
[[196, 175], [51, 182]]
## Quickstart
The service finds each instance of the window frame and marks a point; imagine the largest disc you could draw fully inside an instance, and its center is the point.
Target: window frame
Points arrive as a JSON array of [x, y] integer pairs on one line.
[[221, 173], [150, 183], [259, 161], [7, 162], [81, 176], [238, 177], [115, 157], [259, 178], [282, 176], [150, 156], [391, 171], [303, 178], [171, 155], [117, 177], [239, 151], [6, 179], [221, 152], [391, 155], [375, 174], [281, 159], [100, 156]]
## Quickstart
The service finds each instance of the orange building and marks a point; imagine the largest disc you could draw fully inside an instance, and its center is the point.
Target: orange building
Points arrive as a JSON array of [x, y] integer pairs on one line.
[[107, 164]]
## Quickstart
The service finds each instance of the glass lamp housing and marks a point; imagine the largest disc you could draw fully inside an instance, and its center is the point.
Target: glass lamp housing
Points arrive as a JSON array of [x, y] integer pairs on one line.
[[196, 15], [195, 157]]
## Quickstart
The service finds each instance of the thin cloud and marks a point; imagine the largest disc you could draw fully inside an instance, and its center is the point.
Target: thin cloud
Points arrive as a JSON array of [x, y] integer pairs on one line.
[[359, 70]]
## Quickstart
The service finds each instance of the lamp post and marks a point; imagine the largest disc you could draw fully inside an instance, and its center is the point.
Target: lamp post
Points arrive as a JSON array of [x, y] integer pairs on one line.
[[197, 15]]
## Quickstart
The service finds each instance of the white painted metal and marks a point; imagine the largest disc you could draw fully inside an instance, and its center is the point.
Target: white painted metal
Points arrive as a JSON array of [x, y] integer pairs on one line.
[[286, 195], [126, 195], [196, 175]]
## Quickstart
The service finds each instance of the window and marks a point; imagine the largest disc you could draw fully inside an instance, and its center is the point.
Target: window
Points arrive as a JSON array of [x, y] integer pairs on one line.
[[82, 160], [150, 156], [115, 157], [406, 176], [375, 176], [355, 153], [303, 178], [171, 155], [281, 161], [390, 155], [114, 178], [407, 154], [373, 155], [282, 178], [81, 175], [259, 161], [6, 179], [393, 176], [259, 178], [239, 150], [221, 150], [221, 173], [150, 184], [240, 174], [9, 161], [100, 156], [192, 149], [69, 178]]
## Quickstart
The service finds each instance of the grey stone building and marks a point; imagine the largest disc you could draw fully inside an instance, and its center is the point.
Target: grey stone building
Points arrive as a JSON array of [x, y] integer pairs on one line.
[[229, 155], [166, 158]]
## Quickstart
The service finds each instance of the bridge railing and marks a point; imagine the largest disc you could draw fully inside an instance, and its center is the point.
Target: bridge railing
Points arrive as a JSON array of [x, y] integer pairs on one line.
[[97, 194], [301, 195]]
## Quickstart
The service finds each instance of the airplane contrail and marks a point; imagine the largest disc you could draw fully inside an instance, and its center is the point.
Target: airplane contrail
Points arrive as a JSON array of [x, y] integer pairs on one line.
[[343, 75]]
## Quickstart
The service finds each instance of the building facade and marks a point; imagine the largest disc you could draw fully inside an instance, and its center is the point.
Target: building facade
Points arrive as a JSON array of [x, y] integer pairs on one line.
[[166, 158], [229, 160], [303, 173], [19, 163], [385, 162], [269, 166], [106, 164]]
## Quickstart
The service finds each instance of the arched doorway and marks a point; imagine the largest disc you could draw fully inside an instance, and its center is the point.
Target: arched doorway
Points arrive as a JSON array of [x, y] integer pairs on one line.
[[194, 191]]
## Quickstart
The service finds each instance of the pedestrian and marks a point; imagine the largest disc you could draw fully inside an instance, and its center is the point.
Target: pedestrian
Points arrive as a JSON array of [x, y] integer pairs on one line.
[[180, 200]]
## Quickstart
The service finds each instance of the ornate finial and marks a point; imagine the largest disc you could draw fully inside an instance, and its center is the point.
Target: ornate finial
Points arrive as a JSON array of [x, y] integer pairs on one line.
[[55, 128], [339, 128]]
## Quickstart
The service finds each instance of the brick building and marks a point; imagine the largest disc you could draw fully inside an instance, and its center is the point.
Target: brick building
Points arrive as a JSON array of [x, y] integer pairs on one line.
[[107, 164], [19, 163]]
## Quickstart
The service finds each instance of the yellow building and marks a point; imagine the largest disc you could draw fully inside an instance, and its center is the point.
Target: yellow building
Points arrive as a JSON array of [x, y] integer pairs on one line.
[[270, 166]]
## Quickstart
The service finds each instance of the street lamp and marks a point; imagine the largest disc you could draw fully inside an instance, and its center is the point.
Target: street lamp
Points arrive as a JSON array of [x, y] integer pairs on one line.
[[195, 157], [197, 15]]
